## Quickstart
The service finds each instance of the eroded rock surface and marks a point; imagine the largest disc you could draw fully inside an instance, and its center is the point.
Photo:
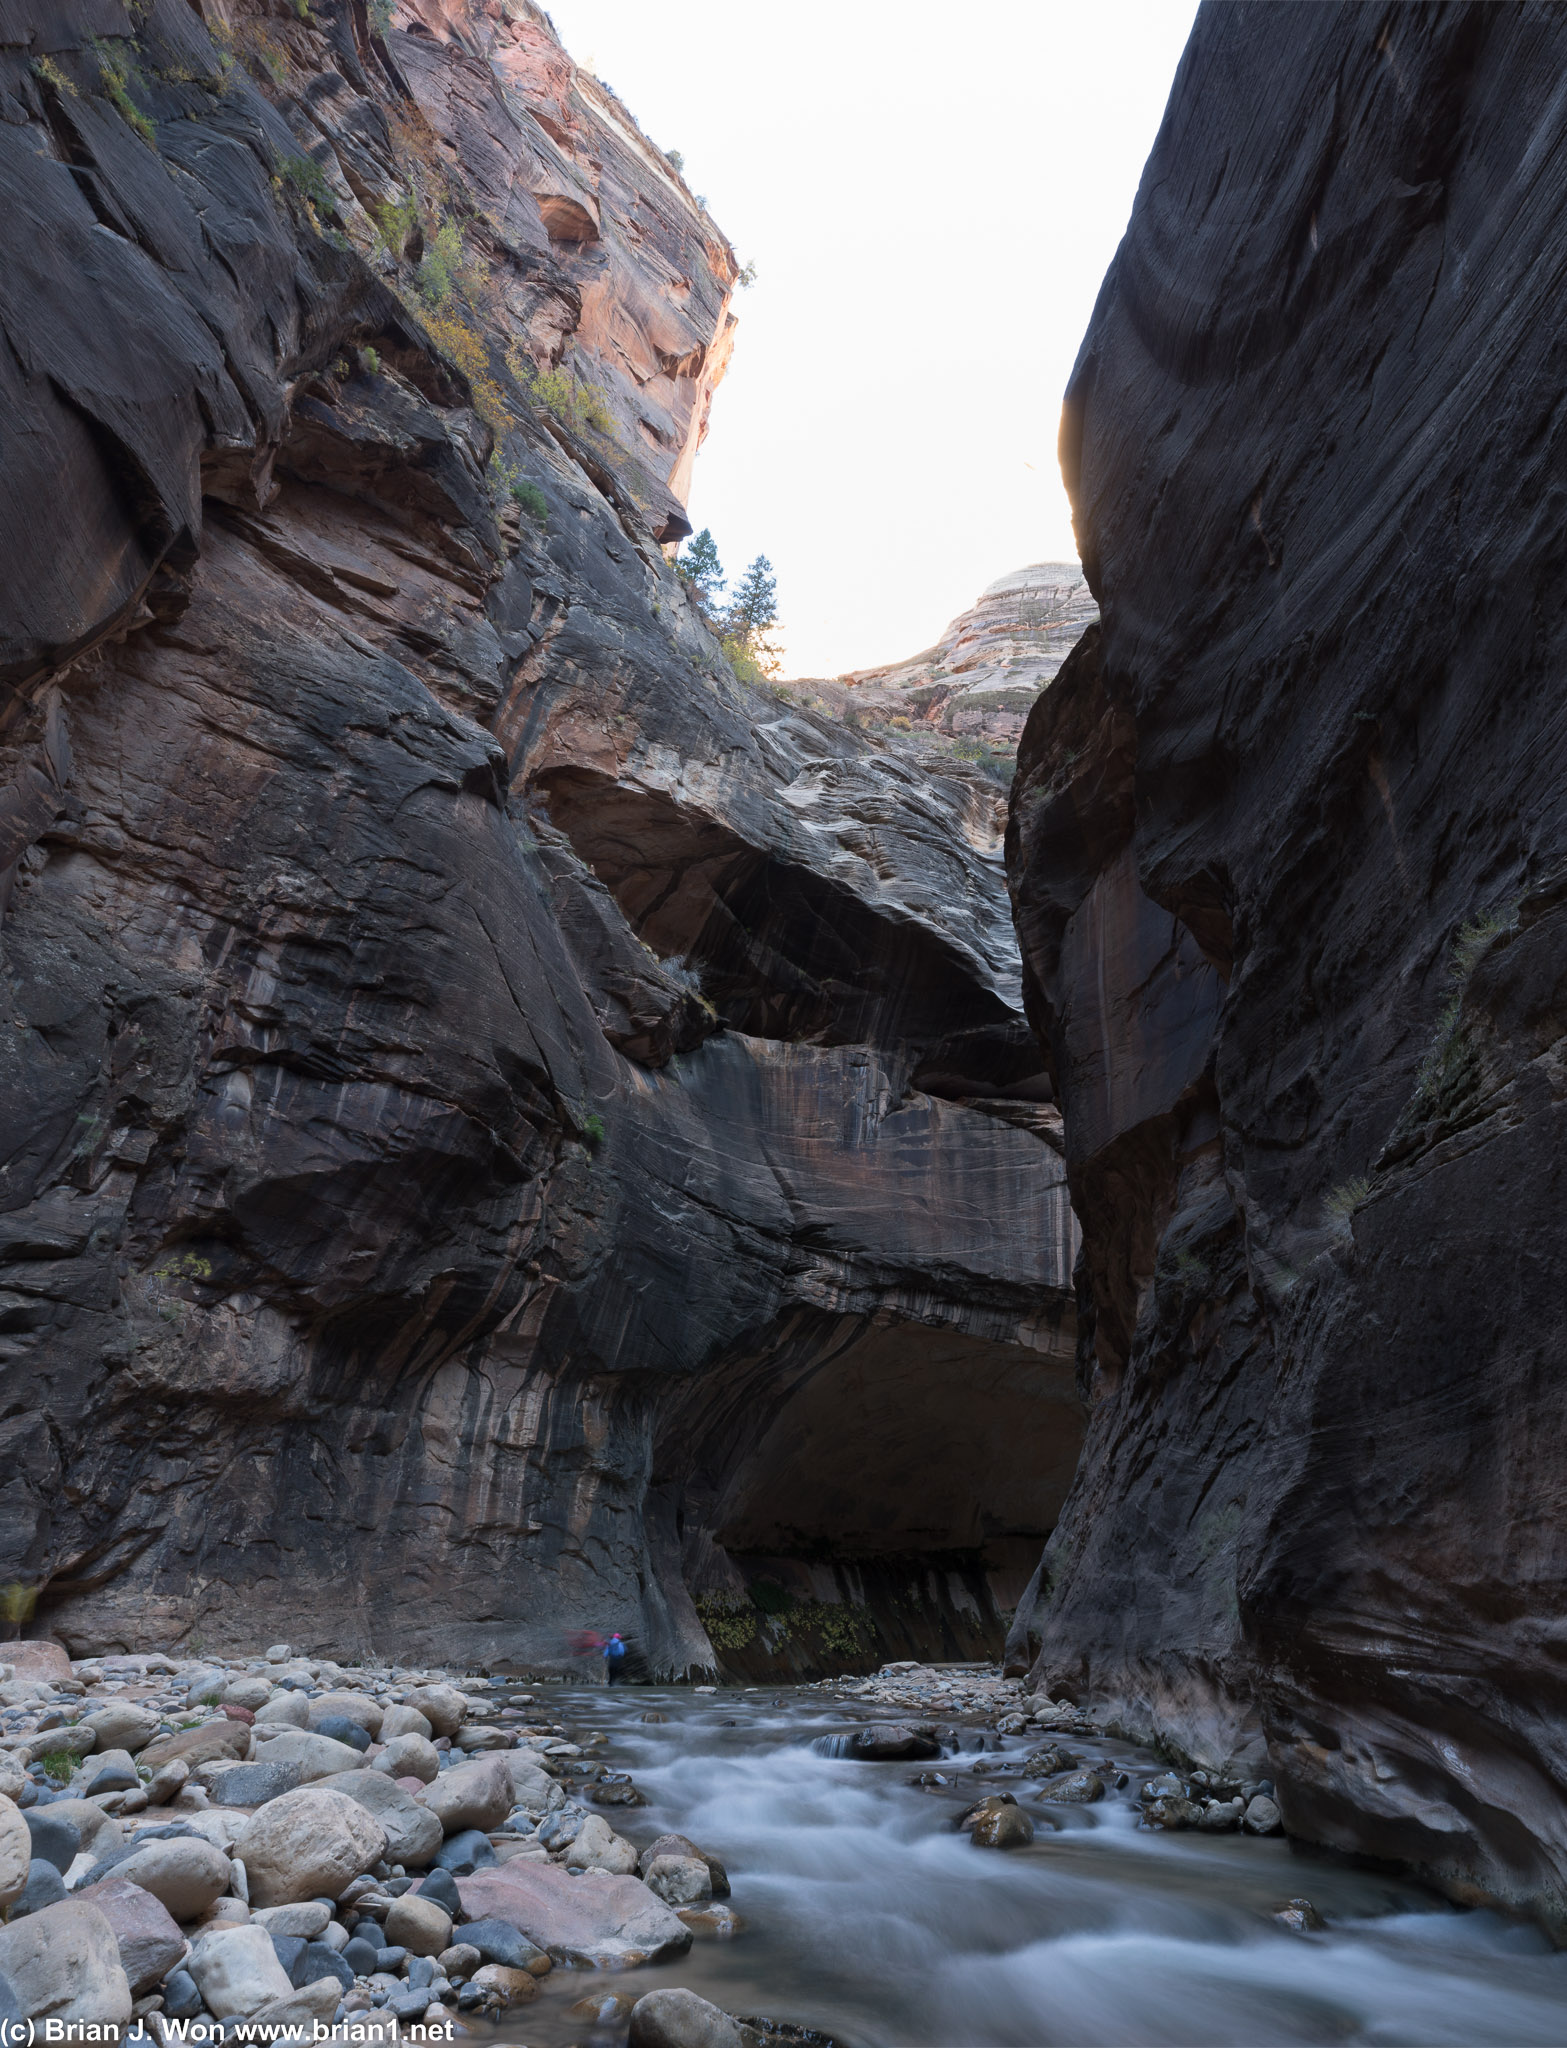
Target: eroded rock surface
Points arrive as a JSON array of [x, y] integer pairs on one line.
[[1288, 849], [470, 1065]]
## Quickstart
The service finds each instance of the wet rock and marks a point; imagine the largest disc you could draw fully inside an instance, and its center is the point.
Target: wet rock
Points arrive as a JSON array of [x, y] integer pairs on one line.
[[997, 1823], [150, 1943], [655, 1718], [1045, 1763], [616, 1792], [678, 1880], [597, 1922], [1262, 1817], [1079, 1790], [308, 1844], [1300, 1916], [603, 2008], [1171, 1812], [682, 1845], [63, 1963], [1220, 1816], [891, 1742], [680, 2019]]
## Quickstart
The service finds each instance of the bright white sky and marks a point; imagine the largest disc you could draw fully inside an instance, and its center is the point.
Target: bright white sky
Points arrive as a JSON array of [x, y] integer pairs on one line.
[[931, 196]]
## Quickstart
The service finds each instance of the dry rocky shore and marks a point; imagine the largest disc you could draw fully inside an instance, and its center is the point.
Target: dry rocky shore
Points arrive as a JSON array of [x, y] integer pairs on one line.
[[281, 1843]]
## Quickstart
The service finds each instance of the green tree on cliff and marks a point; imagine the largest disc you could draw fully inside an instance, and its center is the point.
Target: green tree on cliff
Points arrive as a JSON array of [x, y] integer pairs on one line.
[[752, 620], [701, 571]]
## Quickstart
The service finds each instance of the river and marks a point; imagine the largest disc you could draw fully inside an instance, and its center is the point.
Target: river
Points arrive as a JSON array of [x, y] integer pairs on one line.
[[867, 1917]]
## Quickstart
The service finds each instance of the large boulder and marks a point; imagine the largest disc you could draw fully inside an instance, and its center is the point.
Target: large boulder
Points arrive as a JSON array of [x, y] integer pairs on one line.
[[473, 1795], [40, 1659], [237, 1971], [595, 1922], [203, 1745], [124, 1724], [413, 1833], [443, 1706], [346, 1706], [315, 1756], [404, 1720], [285, 1709], [409, 1756], [64, 1964], [309, 1844], [892, 1742], [679, 2019], [532, 1789], [16, 1851], [185, 1873], [150, 1943]]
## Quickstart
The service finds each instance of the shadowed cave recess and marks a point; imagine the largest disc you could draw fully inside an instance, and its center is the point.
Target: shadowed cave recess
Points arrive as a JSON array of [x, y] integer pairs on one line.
[[508, 1131]]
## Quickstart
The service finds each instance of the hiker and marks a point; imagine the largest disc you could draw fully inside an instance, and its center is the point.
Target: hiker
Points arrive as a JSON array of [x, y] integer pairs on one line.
[[614, 1659]]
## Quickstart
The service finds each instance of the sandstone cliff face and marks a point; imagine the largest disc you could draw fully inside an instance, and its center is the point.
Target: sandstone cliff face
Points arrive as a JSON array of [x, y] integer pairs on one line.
[[1288, 852], [498, 1120], [983, 676]]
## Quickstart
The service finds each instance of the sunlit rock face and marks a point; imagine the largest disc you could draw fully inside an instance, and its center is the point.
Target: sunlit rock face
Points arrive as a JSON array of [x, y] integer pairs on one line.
[[1287, 843], [983, 676], [498, 1120]]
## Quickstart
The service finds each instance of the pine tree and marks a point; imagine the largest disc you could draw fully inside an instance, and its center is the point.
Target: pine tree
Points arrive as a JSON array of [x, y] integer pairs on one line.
[[701, 571], [752, 617]]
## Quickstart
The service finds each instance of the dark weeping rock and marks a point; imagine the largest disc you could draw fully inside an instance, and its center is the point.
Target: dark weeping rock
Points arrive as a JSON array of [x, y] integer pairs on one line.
[[497, 1118], [1288, 850]]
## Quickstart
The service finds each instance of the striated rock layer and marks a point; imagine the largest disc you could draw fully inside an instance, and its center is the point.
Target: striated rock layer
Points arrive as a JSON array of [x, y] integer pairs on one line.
[[497, 1120], [1288, 855]]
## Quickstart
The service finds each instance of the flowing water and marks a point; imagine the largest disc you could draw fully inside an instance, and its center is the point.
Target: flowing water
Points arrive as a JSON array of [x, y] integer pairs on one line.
[[868, 1918]]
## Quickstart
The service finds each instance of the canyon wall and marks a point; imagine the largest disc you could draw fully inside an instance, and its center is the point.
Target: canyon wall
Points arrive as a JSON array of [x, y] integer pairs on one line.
[[1290, 873], [504, 1129]]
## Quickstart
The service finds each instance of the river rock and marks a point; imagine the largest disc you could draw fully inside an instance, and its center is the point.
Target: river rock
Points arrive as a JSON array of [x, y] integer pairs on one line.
[[254, 1784], [308, 1844], [357, 1707], [998, 1823], [44, 1887], [307, 1920], [682, 1845], [237, 1971], [497, 1941], [17, 1848], [38, 1658], [409, 1756], [596, 1846], [1262, 1816], [595, 1921], [285, 1709], [1080, 1790], [1045, 1763], [56, 1837], [533, 1791], [441, 1886], [467, 1850], [678, 1880], [443, 1706], [114, 1771], [404, 1720], [203, 1745], [679, 2019], [473, 1795], [73, 1741], [513, 1987], [413, 1833], [168, 1781], [186, 1873], [316, 1756], [12, 1776], [418, 1925], [96, 1832], [1172, 1812], [124, 1724], [1300, 1916], [64, 1964], [150, 1943], [251, 1691], [892, 1742]]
